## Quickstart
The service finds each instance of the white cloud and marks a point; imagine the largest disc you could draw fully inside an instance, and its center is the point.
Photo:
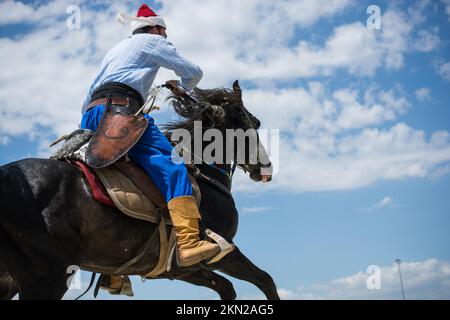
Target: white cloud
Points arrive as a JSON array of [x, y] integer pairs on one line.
[[246, 210], [386, 106], [443, 69], [423, 94], [447, 8], [440, 172], [386, 202], [40, 13], [4, 140], [426, 41], [316, 109], [307, 12], [251, 38], [429, 279], [14, 12]]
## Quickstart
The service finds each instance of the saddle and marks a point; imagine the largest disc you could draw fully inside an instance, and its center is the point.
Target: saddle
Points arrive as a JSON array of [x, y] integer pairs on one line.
[[126, 186]]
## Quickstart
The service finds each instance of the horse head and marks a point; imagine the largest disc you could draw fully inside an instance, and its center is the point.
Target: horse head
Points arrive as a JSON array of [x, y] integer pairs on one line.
[[224, 110]]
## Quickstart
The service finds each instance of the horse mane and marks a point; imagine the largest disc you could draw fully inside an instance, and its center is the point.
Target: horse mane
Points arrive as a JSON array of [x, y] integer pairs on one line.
[[208, 109]]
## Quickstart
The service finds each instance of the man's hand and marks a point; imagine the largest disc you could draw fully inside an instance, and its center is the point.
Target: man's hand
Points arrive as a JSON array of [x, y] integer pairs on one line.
[[173, 85], [266, 178]]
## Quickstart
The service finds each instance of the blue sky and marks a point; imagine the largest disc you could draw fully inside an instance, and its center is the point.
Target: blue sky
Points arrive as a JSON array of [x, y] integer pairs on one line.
[[363, 115]]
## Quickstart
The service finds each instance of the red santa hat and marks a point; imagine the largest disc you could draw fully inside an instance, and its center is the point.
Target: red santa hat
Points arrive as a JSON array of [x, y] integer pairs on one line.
[[145, 17]]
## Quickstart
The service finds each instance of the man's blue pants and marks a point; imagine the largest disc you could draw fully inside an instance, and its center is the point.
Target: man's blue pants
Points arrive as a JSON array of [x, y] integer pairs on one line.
[[153, 152]]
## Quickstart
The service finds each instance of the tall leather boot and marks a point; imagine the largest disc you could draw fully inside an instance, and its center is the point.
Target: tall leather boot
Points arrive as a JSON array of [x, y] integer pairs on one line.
[[185, 216]]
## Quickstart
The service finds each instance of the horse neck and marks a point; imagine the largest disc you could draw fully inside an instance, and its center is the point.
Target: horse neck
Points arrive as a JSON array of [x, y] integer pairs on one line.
[[213, 172], [222, 172]]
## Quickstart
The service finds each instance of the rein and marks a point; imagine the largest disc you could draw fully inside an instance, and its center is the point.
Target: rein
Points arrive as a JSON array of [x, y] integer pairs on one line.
[[195, 171], [228, 175]]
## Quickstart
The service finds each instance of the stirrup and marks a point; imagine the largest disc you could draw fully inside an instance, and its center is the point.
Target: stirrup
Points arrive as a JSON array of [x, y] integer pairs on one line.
[[126, 289], [224, 245]]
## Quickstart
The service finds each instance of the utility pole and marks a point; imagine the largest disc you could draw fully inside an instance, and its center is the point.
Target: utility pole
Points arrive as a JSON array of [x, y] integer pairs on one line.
[[398, 261]]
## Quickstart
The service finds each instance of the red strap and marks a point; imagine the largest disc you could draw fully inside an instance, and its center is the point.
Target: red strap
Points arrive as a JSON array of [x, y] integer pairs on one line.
[[98, 192]]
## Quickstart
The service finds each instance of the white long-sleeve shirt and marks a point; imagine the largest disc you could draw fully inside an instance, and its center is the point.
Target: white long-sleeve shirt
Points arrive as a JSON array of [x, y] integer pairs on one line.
[[136, 60]]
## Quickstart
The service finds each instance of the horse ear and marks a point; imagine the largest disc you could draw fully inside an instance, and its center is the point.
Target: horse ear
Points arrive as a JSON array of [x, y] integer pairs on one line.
[[237, 89]]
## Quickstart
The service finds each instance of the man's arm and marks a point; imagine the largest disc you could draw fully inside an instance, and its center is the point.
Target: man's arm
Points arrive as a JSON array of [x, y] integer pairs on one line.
[[167, 56]]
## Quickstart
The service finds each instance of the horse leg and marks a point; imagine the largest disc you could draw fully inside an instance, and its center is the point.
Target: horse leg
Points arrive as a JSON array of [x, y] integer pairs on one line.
[[237, 265], [51, 286], [37, 277], [8, 286], [10, 258], [210, 279], [49, 283]]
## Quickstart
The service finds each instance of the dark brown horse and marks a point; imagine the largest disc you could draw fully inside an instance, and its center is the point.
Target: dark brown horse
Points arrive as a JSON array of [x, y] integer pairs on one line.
[[49, 221]]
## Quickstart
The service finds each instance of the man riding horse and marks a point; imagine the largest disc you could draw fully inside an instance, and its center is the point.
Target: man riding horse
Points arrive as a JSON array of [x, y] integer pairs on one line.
[[50, 219], [126, 75]]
